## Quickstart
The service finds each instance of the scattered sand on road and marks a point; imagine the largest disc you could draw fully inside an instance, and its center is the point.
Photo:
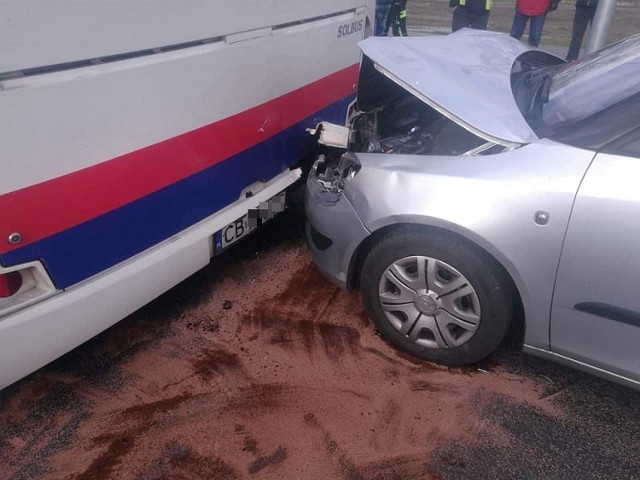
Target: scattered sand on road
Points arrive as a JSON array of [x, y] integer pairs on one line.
[[256, 367]]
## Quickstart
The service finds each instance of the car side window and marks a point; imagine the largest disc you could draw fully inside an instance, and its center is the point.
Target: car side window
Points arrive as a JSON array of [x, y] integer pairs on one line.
[[604, 128]]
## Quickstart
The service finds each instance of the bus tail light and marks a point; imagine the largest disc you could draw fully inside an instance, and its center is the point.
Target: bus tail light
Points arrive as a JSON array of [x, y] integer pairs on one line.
[[23, 285], [10, 283]]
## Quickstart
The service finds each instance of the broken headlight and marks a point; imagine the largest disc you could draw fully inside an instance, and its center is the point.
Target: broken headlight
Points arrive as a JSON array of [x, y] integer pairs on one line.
[[331, 177], [334, 178]]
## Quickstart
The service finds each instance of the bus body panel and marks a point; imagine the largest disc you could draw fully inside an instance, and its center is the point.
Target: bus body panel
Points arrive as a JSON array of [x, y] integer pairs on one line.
[[70, 120], [187, 137], [41, 333], [40, 32], [116, 175]]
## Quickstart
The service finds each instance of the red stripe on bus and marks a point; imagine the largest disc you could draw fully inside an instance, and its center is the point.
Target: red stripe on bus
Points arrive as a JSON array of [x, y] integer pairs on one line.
[[47, 208]]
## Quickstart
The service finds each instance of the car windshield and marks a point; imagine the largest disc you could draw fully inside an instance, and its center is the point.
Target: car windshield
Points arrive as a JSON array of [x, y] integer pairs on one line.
[[599, 81]]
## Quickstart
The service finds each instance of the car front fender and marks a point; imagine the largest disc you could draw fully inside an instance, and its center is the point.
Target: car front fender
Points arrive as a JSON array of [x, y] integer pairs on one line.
[[492, 201]]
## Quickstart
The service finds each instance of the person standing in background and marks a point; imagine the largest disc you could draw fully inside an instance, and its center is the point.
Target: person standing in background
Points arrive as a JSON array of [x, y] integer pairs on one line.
[[585, 11], [470, 13], [397, 19], [534, 12], [382, 15]]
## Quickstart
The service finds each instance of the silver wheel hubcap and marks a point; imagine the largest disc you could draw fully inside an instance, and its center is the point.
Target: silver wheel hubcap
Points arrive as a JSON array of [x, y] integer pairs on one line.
[[429, 302]]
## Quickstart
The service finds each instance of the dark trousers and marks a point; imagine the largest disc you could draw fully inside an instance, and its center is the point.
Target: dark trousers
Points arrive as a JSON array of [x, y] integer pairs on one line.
[[535, 27], [382, 14], [397, 19], [582, 18], [463, 17]]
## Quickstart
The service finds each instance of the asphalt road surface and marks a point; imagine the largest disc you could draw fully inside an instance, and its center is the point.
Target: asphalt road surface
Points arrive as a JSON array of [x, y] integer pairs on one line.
[[257, 367]]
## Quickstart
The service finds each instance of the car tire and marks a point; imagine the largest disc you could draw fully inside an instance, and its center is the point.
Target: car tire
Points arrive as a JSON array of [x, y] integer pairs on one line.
[[463, 311]]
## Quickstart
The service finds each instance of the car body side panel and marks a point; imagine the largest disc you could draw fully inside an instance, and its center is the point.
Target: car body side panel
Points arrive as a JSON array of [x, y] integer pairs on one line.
[[346, 231], [491, 200], [596, 308]]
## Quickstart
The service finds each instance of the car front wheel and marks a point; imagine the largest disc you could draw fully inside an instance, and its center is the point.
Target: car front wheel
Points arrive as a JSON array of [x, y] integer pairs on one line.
[[435, 296]]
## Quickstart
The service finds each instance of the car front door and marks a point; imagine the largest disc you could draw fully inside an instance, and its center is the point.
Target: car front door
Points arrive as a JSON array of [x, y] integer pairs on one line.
[[595, 317]]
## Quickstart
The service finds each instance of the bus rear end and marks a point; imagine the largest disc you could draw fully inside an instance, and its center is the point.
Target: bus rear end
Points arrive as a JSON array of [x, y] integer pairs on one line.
[[134, 136]]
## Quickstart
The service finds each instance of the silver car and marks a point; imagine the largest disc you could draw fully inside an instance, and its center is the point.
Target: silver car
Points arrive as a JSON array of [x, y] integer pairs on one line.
[[478, 177]]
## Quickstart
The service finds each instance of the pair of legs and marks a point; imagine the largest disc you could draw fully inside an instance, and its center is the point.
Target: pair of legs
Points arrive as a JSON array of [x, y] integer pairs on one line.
[[392, 15], [582, 18], [463, 17], [397, 20], [535, 27], [382, 14]]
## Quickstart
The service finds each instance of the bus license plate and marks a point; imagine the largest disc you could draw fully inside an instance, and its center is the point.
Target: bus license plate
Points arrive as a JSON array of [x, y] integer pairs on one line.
[[246, 224]]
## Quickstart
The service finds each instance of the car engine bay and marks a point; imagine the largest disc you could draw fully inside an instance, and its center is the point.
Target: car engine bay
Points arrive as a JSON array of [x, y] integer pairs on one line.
[[388, 119]]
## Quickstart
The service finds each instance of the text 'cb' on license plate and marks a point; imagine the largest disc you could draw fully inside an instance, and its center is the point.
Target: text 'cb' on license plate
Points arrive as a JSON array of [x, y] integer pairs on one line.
[[246, 224]]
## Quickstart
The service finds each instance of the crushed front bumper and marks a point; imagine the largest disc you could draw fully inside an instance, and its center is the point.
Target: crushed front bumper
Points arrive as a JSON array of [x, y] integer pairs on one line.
[[333, 230]]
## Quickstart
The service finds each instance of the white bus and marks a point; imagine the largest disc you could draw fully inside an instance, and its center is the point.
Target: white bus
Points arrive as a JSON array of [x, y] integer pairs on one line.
[[135, 137]]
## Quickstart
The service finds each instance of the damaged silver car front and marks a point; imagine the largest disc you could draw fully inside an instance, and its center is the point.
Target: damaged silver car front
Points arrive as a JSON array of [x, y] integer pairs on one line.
[[413, 100]]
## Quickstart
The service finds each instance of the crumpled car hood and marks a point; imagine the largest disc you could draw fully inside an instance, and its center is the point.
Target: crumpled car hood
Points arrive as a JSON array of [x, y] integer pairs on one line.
[[465, 76]]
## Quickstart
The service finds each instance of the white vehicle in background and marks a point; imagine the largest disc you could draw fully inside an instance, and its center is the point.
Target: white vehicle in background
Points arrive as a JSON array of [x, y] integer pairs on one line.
[[135, 137]]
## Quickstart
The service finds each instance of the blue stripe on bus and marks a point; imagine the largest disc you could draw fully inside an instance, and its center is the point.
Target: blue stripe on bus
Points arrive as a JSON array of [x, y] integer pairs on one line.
[[94, 246]]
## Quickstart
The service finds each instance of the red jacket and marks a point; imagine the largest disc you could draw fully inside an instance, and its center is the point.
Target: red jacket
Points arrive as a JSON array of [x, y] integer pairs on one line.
[[532, 8]]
